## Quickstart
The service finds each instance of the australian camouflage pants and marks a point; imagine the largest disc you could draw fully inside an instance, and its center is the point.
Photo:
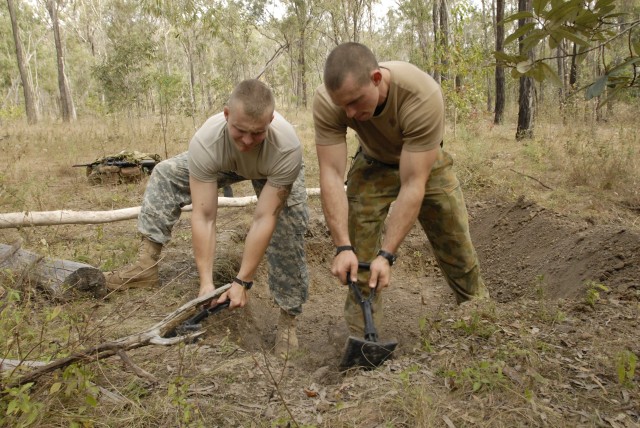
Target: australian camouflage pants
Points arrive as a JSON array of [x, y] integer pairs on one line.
[[168, 191], [371, 188]]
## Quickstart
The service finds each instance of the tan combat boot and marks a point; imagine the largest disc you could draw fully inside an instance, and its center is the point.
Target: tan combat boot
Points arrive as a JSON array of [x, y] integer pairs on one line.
[[143, 273], [286, 339]]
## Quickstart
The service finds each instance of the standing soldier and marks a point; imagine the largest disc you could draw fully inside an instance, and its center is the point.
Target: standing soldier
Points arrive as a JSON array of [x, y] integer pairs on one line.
[[397, 112]]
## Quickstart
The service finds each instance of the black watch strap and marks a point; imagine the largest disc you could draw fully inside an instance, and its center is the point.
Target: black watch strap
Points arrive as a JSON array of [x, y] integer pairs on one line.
[[246, 284], [342, 248], [391, 258]]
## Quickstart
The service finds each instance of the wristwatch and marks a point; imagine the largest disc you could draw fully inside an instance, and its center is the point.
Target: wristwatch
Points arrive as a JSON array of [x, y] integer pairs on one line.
[[246, 284], [391, 258]]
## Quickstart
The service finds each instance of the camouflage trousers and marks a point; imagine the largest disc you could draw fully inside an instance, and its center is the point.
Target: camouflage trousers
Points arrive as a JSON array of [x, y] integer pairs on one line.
[[371, 188], [168, 191]]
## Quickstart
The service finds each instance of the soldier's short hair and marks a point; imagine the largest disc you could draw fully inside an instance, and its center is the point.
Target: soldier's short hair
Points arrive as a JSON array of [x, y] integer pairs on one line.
[[255, 97], [348, 59]]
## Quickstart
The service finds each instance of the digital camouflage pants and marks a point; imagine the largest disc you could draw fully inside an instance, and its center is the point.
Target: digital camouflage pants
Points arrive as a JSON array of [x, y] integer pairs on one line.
[[371, 188], [168, 191]]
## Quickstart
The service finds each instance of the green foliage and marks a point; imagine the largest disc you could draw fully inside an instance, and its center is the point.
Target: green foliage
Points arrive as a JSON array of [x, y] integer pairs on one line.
[[587, 25], [593, 292], [17, 408], [188, 414], [626, 368], [481, 376], [475, 326]]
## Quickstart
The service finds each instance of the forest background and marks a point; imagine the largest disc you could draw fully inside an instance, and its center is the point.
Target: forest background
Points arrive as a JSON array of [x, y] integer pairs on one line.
[[542, 108]]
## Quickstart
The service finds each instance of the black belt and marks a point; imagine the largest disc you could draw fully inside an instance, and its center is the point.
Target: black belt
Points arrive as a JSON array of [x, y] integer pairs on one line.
[[377, 162]]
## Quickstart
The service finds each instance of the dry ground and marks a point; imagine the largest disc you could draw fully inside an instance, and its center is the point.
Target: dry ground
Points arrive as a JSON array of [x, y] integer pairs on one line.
[[556, 346]]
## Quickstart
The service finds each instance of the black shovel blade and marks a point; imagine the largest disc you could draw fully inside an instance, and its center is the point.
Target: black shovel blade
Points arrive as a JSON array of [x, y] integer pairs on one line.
[[366, 354]]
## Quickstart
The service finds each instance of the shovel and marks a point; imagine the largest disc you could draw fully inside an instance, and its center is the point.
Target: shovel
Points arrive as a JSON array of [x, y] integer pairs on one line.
[[193, 324], [367, 353]]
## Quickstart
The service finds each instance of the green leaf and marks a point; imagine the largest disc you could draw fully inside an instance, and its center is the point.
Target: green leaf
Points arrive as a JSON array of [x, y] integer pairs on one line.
[[537, 72], [539, 6], [55, 388], [91, 400], [586, 19], [565, 12], [629, 62], [519, 32], [476, 386], [524, 66], [566, 33], [501, 56], [549, 73], [596, 87], [517, 16], [532, 40]]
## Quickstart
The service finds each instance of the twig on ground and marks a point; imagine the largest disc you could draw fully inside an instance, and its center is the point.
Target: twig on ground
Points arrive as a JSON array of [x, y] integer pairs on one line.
[[533, 178], [137, 369]]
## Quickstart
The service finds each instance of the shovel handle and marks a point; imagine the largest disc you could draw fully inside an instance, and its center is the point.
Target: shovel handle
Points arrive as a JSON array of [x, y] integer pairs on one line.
[[370, 332]]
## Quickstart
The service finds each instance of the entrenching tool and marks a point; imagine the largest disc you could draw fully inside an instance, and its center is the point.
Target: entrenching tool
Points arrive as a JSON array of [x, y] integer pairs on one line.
[[367, 353], [193, 324]]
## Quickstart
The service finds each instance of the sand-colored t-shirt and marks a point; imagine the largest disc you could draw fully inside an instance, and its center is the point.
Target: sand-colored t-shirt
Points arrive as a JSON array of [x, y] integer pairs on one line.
[[412, 118], [278, 158]]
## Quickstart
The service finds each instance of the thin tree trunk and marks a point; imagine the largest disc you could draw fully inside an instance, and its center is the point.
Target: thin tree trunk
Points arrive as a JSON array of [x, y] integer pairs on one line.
[[486, 43], [436, 40], [500, 91], [525, 94], [66, 101], [29, 98]]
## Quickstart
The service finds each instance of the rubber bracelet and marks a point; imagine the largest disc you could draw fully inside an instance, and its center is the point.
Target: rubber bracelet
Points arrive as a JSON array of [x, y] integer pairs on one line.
[[342, 248], [246, 284], [391, 258]]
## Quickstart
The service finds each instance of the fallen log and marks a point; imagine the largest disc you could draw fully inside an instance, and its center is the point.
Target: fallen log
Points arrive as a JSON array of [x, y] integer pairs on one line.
[[59, 278], [50, 218], [152, 336]]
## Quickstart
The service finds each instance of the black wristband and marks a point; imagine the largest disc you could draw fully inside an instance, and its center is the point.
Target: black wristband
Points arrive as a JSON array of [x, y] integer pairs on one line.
[[246, 284], [391, 258], [342, 248]]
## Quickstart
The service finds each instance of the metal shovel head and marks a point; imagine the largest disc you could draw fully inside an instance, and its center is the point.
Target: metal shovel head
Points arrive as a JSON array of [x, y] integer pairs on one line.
[[366, 354]]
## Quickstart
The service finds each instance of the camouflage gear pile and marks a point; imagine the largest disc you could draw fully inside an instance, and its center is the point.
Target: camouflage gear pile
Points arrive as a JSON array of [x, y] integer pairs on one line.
[[371, 188], [123, 167], [168, 191]]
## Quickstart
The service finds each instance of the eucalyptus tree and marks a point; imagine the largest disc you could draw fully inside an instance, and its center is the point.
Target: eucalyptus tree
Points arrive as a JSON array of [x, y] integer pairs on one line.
[[127, 71], [194, 25], [499, 72], [67, 106], [27, 87], [525, 93], [417, 15], [347, 19], [441, 36]]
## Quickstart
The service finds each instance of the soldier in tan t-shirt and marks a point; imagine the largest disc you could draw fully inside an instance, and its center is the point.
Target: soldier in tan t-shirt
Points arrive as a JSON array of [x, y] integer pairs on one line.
[[247, 141], [397, 113]]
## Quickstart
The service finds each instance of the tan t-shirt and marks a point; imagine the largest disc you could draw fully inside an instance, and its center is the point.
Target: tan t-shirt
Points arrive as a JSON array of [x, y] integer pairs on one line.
[[412, 118], [278, 158]]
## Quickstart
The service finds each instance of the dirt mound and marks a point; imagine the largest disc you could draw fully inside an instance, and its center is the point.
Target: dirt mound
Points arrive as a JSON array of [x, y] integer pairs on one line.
[[527, 249]]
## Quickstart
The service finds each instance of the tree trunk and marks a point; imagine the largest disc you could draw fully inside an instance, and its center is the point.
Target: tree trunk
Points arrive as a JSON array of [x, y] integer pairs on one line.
[[29, 98], [436, 40], [525, 93], [500, 92], [486, 43], [573, 73], [66, 101], [444, 39]]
